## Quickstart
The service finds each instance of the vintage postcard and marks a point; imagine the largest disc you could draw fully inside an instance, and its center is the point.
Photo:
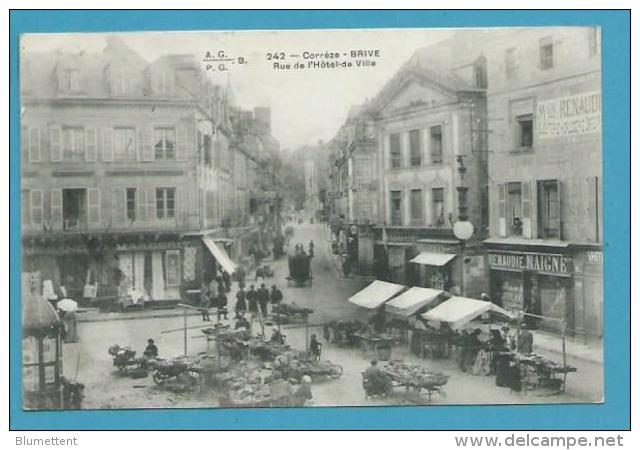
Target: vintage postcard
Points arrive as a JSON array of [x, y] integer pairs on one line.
[[311, 218]]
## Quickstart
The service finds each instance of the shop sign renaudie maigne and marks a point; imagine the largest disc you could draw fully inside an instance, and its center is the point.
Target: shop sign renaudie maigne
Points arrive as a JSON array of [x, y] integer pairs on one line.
[[553, 264]]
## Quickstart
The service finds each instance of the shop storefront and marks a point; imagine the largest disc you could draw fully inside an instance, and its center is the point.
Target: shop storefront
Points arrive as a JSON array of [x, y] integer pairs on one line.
[[587, 286], [536, 282]]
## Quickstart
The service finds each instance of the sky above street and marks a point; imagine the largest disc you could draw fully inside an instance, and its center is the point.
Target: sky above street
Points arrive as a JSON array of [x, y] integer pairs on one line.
[[306, 105]]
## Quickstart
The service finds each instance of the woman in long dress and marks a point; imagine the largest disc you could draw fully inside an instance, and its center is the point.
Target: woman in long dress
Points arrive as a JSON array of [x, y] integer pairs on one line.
[[71, 327]]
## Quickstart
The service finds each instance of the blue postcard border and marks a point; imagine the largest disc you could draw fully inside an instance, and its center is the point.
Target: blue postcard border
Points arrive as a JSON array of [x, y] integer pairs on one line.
[[613, 414]]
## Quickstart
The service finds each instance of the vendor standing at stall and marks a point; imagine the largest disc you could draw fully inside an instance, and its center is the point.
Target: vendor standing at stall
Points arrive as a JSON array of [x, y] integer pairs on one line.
[[275, 296], [241, 302], [263, 299], [252, 300], [525, 340], [222, 304]]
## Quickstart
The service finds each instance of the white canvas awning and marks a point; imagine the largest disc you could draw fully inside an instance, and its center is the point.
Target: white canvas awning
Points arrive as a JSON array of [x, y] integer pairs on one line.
[[376, 294], [458, 311], [220, 255], [433, 259], [412, 301]]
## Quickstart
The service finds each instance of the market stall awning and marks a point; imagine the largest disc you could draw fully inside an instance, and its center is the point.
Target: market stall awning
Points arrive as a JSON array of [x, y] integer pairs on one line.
[[220, 255], [458, 311], [376, 294], [412, 301], [433, 259]]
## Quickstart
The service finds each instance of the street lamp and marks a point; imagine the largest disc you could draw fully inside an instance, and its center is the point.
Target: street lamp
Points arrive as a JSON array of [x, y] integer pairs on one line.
[[462, 229]]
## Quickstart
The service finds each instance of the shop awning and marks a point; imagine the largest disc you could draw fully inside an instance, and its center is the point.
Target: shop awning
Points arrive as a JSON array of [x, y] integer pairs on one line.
[[376, 294], [459, 311], [412, 301], [220, 255], [433, 259]]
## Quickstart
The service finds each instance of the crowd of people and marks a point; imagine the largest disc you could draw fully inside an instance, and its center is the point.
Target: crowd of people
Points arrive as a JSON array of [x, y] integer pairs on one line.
[[252, 303]]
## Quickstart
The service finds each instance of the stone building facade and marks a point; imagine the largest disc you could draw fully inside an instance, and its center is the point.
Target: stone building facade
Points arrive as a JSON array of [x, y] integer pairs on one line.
[[544, 112], [124, 165]]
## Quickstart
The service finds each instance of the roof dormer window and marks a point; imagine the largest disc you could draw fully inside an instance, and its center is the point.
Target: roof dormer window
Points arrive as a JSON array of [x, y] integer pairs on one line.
[[70, 80], [162, 82]]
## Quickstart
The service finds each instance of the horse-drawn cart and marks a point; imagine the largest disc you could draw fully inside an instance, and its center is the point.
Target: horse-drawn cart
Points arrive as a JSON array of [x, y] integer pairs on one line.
[[300, 270]]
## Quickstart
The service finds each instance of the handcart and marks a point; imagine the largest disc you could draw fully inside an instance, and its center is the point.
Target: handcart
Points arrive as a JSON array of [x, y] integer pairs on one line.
[[417, 381]]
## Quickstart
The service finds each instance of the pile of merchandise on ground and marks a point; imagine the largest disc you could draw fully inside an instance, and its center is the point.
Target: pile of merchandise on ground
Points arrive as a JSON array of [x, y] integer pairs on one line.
[[244, 385]]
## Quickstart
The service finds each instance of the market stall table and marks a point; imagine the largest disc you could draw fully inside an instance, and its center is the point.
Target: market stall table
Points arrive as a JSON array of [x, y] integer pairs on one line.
[[378, 345], [543, 374]]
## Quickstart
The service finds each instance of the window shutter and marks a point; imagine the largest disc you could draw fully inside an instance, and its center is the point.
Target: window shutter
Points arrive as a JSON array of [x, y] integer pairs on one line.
[[151, 205], [56, 209], [37, 206], [146, 144], [24, 144], [91, 149], [34, 144], [502, 220], [560, 231], [181, 138], [93, 206], [141, 204], [526, 209], [594, 209], [107, 144], [180, 207], [119, 207], [55, 148]]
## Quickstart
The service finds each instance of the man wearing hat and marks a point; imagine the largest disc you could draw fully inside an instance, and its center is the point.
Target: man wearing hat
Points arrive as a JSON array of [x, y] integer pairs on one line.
[[151, 351], [525, 340]]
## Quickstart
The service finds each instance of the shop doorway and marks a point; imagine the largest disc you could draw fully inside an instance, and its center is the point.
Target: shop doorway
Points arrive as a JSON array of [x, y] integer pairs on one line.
[[380, 263], [411, 270]]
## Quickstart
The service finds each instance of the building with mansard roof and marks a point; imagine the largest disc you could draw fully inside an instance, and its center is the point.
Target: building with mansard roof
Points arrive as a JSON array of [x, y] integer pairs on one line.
[[128, 167]]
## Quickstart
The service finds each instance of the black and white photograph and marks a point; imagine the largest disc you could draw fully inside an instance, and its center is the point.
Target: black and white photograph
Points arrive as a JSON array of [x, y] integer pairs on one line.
[[311, 218]]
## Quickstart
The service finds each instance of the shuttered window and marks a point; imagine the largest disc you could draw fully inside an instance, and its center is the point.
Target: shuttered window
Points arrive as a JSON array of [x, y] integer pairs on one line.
[[165, 203], [415, 147], [514, 208], [395, 150], [34, 144], [416, 207], [437, 206], [396, 207], [37, 206], [131, 204], [124, 144], [549, 209], [164, 140], [74, 144], [435, 146]]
